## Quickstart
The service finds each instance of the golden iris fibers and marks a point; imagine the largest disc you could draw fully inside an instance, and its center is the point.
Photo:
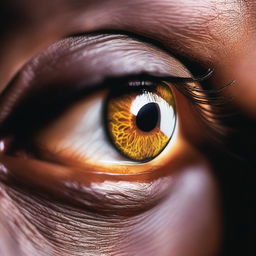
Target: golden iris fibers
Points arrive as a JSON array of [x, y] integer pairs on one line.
[[140, 123]]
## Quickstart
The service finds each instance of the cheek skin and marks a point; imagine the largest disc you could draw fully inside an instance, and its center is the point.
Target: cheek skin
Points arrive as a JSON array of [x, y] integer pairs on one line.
[[186, 223]]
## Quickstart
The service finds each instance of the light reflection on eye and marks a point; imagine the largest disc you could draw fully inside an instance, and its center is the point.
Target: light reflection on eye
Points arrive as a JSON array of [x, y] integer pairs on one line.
[[123, 126]]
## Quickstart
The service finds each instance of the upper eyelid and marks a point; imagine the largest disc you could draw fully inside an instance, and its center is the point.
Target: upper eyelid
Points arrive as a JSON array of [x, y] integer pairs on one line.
[[180, 81], [35, 73], [115, 46], [107, 84]]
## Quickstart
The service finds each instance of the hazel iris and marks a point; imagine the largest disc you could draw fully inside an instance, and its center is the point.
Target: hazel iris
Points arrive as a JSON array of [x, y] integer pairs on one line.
[[141, 123]]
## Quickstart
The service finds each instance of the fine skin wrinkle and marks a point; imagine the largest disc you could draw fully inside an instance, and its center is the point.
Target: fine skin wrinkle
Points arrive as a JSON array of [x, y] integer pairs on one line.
[[195, 200]]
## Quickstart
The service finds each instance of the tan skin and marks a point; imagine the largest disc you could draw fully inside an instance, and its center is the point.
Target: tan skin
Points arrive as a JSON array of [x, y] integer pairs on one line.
[[173, 206]]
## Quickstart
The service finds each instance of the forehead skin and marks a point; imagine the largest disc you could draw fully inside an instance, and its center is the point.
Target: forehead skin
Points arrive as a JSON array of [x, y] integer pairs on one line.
[[194, 28], [212, 32]]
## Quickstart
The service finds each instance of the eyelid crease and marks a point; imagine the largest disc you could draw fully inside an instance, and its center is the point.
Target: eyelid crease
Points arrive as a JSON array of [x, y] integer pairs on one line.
[[194, 93], [209, 104], [191, 79], [179, 82]]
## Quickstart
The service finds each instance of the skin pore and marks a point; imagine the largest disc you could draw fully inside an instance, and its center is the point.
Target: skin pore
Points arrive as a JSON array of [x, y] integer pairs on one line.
[[178, 205]]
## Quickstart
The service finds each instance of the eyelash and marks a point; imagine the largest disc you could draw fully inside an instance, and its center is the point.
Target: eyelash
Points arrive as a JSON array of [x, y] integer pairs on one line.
[[209, 104]]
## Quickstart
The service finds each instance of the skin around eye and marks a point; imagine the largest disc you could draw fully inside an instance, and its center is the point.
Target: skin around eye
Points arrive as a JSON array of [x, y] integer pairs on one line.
[[78, 136], [113, 129], [140, 124]]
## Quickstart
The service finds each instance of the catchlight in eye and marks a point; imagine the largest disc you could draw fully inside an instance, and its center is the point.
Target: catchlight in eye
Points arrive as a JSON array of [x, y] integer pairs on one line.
[[141, 122]]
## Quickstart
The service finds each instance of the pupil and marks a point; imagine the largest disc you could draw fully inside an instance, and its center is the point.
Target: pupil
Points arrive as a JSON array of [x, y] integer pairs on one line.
[[148, 117]]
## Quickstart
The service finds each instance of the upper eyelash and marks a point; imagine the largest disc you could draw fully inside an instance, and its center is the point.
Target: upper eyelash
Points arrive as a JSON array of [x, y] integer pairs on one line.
[[208, 97], [210, 105]]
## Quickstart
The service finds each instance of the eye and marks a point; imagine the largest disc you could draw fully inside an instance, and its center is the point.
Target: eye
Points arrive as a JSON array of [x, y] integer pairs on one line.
[[103, 125], [132, 123], [141, 123], [118, 116]]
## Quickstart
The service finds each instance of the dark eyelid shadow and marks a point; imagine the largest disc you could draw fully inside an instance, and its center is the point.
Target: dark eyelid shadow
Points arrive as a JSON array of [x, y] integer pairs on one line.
[[193, 65], [63, 99], [72, 95]]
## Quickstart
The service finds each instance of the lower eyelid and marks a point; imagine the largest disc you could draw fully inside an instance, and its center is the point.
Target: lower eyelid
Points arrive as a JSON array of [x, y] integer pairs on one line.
[[173, 149], [101, 192], [104, 194]]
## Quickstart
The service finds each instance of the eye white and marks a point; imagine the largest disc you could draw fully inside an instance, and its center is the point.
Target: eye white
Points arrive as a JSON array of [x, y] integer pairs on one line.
[[80, 134]]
